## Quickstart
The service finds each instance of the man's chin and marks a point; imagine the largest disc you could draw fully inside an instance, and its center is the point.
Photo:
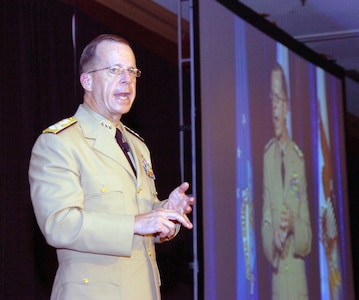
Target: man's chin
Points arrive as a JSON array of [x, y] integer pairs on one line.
[[124, 108]]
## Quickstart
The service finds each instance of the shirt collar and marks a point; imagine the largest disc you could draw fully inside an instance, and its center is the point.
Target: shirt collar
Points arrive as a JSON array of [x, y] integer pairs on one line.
[[102, 120]]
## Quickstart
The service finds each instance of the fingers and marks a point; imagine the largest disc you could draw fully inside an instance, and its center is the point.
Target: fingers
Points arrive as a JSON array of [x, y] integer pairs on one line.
[[160, 221], [179, 201], [154, 223], [280, 236], [183, 187], [167, 229], [277, 240], [190, 202], [286, 220], [175, 216]]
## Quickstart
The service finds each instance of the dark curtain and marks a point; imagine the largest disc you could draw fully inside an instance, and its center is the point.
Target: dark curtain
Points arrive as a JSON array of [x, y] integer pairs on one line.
[[39, 86]]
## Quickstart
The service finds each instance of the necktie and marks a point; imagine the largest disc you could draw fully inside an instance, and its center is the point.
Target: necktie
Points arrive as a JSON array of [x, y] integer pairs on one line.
[[125, 148], [283, 167]]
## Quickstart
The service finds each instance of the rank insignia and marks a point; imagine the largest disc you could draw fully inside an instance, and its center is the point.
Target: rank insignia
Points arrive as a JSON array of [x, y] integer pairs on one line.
[[294, 185], [148, 168], [59, 126]]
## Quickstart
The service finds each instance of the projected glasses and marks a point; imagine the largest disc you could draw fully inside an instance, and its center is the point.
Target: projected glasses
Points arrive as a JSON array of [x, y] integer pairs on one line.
[[118, 70]]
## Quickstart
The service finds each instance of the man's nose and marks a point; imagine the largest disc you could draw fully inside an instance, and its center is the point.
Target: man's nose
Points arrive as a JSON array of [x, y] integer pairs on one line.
[[125, 76]]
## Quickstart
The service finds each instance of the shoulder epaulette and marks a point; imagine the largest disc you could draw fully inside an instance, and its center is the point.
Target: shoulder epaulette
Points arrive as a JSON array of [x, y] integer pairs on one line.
[[269, 144], [134, 133], [61, 125], [298, 151]]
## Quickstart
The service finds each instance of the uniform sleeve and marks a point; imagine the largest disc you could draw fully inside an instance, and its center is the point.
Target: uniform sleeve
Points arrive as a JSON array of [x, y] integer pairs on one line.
[[58, 202]]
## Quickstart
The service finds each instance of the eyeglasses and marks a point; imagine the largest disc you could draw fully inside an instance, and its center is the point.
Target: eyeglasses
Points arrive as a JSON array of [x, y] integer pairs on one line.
[[275, 97], [118, 70]]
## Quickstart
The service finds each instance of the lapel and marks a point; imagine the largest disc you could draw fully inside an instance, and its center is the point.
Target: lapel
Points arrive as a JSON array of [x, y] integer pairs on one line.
[[101, 138]]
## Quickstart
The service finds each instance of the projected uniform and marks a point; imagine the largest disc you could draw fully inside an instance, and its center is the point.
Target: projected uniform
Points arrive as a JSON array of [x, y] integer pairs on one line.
[[286, 231], [289, 280]]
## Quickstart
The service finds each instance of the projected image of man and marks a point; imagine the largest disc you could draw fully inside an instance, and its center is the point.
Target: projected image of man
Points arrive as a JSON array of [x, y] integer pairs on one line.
[[286, 230]]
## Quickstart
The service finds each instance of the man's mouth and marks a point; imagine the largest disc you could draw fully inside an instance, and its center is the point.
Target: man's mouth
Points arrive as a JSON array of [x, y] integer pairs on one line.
[[122, 96]]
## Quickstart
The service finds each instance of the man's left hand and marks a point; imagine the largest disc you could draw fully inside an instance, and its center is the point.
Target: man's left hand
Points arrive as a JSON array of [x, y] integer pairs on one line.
[[179, 201]]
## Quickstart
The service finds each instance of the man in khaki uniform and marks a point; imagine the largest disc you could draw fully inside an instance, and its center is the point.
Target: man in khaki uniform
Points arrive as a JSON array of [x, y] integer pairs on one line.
[[286, 231], [96, 203]]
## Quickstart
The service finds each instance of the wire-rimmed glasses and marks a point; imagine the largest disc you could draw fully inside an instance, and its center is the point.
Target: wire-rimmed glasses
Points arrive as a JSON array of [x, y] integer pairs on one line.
[[118, 70]]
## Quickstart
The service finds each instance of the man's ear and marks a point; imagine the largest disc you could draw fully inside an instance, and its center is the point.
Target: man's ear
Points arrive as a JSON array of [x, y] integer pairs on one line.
[[86, 81]]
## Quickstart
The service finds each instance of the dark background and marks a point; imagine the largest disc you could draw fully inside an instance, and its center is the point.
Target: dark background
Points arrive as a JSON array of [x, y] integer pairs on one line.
[[39, 85]]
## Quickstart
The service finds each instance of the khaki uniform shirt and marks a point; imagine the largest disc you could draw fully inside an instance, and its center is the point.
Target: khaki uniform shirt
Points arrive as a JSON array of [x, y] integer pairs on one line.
[[289, 278], [85, 197]]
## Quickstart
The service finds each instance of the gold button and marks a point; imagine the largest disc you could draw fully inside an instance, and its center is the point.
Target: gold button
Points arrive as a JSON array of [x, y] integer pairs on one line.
[[150, 253], [103, 190], [85, 280], [139, 190]]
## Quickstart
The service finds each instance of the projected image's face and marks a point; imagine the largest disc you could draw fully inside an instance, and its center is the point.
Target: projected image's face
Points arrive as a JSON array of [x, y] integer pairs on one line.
[[279, 104]]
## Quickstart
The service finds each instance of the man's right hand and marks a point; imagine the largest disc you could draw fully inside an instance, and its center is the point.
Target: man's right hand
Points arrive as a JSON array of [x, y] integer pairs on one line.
[[279, 239], [160, 222]]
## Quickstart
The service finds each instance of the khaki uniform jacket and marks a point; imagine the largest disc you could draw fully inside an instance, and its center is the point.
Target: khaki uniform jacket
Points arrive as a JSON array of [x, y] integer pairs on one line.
[[289, 278], [85, 198]]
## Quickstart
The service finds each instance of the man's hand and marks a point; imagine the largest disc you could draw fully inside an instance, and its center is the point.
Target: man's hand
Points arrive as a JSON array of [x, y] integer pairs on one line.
[[278, 238], [284, 228], [161, 222], [287, 219], [179, 201]]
